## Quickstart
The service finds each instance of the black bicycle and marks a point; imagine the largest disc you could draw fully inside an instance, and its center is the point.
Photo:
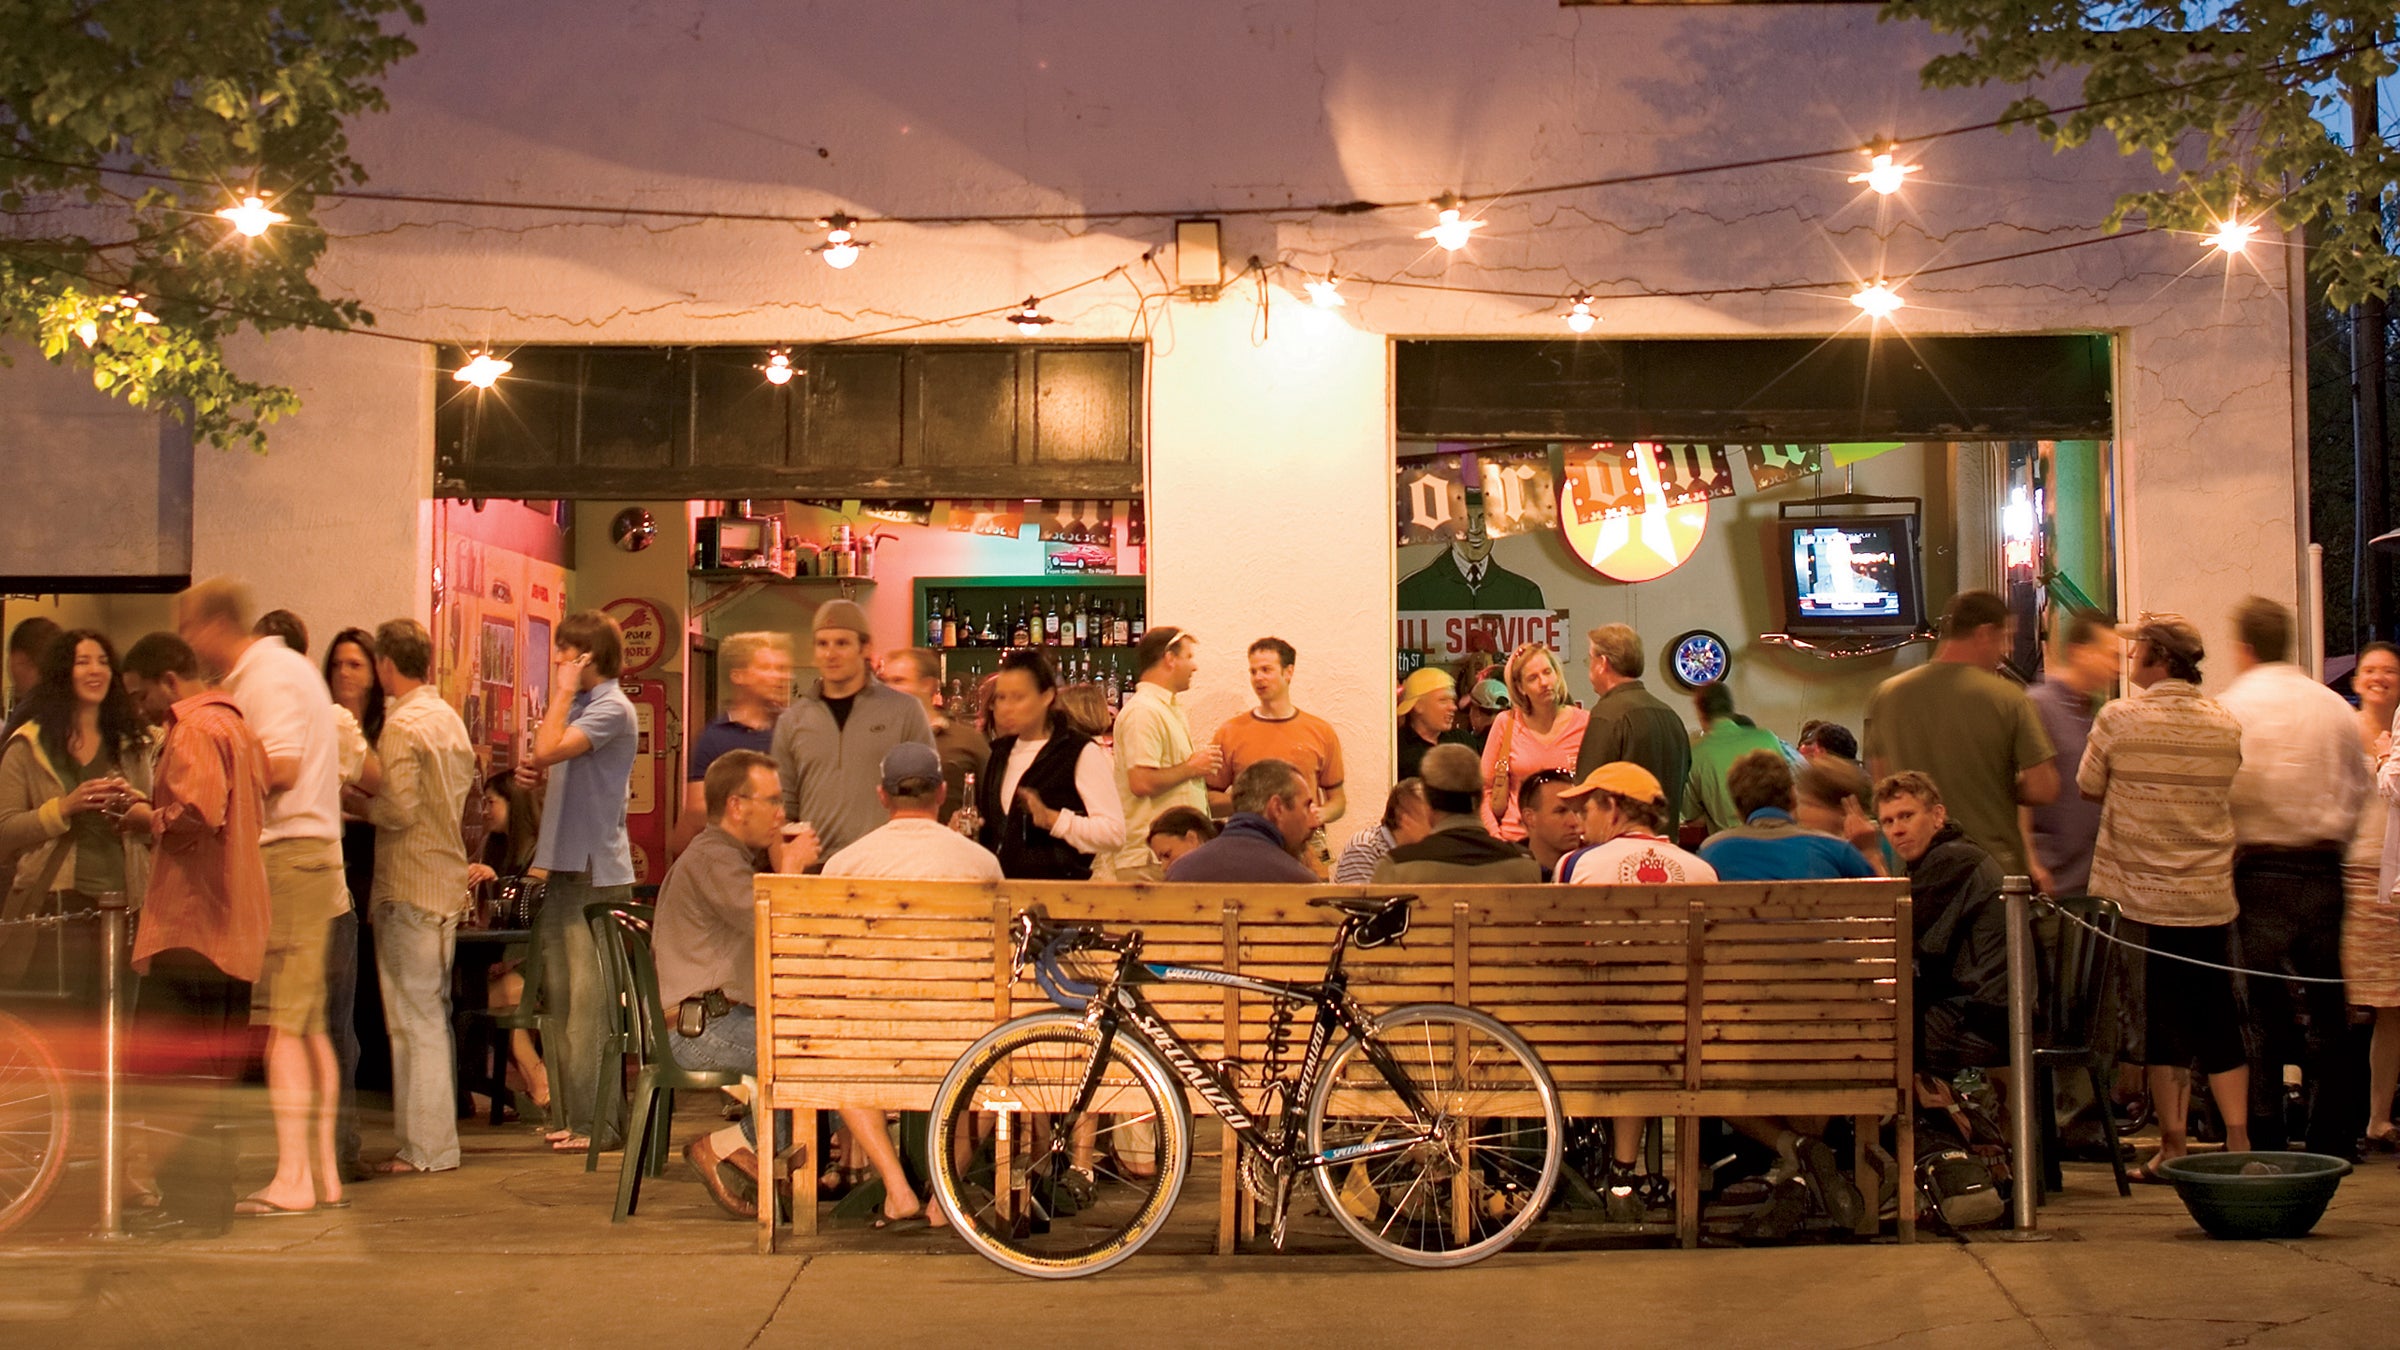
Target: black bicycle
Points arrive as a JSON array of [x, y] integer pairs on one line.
[[1060, 1142]]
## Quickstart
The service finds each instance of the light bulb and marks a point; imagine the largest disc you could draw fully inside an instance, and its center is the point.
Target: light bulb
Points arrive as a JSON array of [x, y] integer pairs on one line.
[[778, 368], [1883, 175], [2231, 237], [1580, 318], [841, 246], [253, 217], [481, 370], [1878, 300], [1451, 231], [1030, 320], [1326, 294]]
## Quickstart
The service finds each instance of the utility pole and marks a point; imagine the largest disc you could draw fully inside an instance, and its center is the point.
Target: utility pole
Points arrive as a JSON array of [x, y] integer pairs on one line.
[[2369, 443]]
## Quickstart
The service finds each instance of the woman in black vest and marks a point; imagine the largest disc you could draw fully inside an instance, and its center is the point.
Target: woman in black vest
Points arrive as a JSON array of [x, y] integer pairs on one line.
[[1049, 796]]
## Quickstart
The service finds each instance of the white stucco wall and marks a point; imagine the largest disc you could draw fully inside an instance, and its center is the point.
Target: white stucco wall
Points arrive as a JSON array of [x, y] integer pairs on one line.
[[1270, 434]]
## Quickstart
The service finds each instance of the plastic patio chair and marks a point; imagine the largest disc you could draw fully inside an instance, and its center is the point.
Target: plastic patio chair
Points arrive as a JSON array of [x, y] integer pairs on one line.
[[2081, 982], [621, 1041], [650, 1120]]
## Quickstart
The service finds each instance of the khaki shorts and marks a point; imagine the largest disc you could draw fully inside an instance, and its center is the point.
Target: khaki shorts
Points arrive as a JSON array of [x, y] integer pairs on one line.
[[304, 894]]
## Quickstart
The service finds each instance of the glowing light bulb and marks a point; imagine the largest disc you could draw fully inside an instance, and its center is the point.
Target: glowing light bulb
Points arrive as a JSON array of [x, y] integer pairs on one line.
[[778, 368], [1883, 175], [1326, 294], [2231, 237], [1878, 300], [1451, 231], [1030, 320], [1580, 317], [482, 369], [841, 246], [253, 217]]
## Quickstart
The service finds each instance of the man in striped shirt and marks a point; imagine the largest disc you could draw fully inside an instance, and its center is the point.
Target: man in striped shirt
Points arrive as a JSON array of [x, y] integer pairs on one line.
[[420, 886]]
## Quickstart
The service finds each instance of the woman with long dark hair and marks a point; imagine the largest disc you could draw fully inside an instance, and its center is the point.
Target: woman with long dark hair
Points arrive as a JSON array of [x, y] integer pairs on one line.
[[353, 989], [1049, 796], [68, 778]]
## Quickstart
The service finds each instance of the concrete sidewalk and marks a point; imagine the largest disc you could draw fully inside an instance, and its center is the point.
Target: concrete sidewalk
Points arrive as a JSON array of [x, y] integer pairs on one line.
[[516, 1249]]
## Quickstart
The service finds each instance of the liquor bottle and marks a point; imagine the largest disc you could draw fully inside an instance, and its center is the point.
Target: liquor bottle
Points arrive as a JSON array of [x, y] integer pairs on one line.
[[1109, 691], [990, 636], [933, 619], [1119, 630], [951, 636], [967, 821], [1021, 635], [1050, 622], [1138, 625]]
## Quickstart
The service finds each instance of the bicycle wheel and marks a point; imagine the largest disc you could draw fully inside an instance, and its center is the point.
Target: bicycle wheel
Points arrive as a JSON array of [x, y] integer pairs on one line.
[[1498, 1132], [35, 1120], [1037, 1186]]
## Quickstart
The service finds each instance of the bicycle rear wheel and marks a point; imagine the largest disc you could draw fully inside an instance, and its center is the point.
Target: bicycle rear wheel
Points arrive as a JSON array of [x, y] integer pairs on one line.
[[1497, 1130], [1037, 1186], [35, 1121]]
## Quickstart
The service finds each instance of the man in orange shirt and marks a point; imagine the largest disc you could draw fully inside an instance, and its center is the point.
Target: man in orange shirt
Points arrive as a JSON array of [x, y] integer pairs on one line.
[[1277, 730], [203, 936]]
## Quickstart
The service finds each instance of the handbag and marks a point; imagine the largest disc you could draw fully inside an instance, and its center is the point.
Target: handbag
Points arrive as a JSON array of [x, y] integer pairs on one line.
[[16, 938], [1496, 794], [512, 902]]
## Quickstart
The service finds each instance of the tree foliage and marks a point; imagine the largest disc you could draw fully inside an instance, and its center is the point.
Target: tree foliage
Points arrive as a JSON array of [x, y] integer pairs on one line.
[[124, 126], [2237, 101]]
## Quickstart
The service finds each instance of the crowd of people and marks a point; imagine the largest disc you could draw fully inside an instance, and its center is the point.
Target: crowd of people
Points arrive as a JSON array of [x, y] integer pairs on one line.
[[292, 831]]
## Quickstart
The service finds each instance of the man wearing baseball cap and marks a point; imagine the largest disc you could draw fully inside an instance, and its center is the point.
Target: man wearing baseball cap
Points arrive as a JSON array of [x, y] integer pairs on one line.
[[1428, 714], [830, 743], [914, 844], [1624, 817]]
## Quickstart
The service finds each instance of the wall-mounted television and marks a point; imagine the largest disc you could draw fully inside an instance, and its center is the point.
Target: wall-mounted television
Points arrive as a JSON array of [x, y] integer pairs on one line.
[[1851, 576]]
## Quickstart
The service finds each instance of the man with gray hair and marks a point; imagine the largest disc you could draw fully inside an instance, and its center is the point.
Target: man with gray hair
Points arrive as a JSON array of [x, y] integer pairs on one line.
[[757, 666], [1629, 724], [1275, 808]]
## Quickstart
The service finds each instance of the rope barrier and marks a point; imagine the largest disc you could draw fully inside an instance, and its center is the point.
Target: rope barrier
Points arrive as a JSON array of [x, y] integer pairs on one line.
[[2105, 936], [49, 920]]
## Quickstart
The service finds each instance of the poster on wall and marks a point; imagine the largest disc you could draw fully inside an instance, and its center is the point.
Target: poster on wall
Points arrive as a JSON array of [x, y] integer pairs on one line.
[[1465, 601], [1643, 545], [495, 609]]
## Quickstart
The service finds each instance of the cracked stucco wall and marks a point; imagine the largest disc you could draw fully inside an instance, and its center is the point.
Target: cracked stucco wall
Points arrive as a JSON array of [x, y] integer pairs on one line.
[[1271, 433]]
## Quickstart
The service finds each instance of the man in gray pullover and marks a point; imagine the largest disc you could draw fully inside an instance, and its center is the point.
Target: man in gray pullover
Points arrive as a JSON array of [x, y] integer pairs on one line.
[[830, 742]]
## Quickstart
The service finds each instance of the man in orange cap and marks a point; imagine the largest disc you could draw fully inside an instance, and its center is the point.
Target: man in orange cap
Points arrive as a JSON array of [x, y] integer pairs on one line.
[[1624, 820]]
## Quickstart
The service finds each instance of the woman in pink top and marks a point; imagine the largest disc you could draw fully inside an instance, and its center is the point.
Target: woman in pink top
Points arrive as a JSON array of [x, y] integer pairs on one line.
[[1534, 734]]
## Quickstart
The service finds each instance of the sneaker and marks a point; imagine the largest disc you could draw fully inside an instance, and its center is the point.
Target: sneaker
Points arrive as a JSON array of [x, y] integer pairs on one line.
[[1843, 1204], [1785, 1211], [1621, 1195]]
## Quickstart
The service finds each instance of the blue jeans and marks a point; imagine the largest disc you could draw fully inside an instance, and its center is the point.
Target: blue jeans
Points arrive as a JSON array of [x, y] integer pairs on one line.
[[730, 1044], [414, 949], [574, 993]]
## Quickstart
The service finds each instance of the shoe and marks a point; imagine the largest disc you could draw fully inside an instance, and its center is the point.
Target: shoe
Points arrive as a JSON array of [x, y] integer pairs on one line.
[[1843, 1204], [1621, 1196], [1784, 1213], [354, 1172], [705, 1161]]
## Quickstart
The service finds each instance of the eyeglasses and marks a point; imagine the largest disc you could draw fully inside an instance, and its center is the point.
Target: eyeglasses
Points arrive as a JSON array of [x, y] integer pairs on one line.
[[775, 797]]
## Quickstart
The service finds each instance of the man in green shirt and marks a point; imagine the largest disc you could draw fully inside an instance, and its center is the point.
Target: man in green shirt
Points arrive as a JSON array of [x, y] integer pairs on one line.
[[1972, 730], [1628, 723], [1724, 738]]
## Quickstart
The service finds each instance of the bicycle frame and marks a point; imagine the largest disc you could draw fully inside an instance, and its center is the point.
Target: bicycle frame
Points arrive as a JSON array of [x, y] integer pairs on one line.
[[1117, 1003]]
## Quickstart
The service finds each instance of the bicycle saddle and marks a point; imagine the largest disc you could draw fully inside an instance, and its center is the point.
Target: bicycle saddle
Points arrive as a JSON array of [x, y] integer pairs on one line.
[[1361, 906]]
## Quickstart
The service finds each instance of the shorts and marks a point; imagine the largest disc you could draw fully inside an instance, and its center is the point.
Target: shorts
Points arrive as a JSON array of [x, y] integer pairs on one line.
[[2191, 1017], [304, 894]]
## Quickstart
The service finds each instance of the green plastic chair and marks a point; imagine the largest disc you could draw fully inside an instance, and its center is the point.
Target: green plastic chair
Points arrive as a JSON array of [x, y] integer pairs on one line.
[[622, 1039], [649, 1124]]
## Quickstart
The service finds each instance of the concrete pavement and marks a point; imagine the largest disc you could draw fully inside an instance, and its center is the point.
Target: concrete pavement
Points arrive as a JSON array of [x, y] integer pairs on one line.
[[516, 1248]]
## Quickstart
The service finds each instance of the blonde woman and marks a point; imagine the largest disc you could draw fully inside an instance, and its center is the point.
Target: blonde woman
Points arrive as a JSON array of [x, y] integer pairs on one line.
[[1539, 731], [2371, 915]]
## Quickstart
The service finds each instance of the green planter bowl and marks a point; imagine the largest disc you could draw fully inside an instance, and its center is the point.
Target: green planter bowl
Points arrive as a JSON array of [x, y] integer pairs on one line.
[[2282, 1196]]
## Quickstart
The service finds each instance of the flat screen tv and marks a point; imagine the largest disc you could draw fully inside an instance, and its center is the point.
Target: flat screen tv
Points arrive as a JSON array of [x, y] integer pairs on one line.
[[1851, 576]]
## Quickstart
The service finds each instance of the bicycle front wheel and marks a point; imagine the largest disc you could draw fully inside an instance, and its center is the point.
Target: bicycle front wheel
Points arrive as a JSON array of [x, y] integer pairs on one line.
[[35, 1120], [1488, 1144], [1039, 1186]]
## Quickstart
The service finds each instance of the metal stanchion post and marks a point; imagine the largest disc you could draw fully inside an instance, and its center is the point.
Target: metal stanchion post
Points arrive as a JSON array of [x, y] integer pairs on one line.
[[2024, 1144], [112, 1026]]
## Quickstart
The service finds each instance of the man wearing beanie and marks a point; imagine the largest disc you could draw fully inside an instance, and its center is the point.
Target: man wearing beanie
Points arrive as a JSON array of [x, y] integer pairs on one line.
[[830, 743], [1458, 851]]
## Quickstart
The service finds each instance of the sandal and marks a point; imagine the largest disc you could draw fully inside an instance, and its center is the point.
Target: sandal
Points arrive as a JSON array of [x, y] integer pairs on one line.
[[570, 1143], [2146, 1173]]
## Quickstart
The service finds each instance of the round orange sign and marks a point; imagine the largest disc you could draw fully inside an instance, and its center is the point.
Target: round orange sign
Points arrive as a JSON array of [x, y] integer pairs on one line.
[[646, 632], [1613, 513]]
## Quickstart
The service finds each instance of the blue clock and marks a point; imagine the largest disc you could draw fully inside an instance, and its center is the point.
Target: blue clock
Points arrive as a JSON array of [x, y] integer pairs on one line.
[[1697, 658]]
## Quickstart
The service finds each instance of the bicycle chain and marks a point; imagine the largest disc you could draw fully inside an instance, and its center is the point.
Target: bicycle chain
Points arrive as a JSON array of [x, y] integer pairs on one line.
[[49, 920]]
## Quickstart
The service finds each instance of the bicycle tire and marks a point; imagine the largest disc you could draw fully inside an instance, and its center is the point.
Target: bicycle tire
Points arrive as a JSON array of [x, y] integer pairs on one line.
[[1046, 1055], [1472, 1195], [36, 1122]]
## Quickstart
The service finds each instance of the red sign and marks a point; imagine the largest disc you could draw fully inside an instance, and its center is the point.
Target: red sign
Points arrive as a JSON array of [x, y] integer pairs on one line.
[[646, 632]]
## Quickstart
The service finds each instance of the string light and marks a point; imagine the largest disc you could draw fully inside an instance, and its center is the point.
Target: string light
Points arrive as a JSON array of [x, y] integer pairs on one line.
[[1450, 230], [253, 217], [778, 368], [1580, 317], [2231, 237], [1326, 294], [841, 246], [481, 370], [1030, 320], [1878, 300], [1882, 174]]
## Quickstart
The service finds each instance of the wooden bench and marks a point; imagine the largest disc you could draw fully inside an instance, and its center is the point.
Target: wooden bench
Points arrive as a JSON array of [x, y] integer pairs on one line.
[[1743, 999]]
